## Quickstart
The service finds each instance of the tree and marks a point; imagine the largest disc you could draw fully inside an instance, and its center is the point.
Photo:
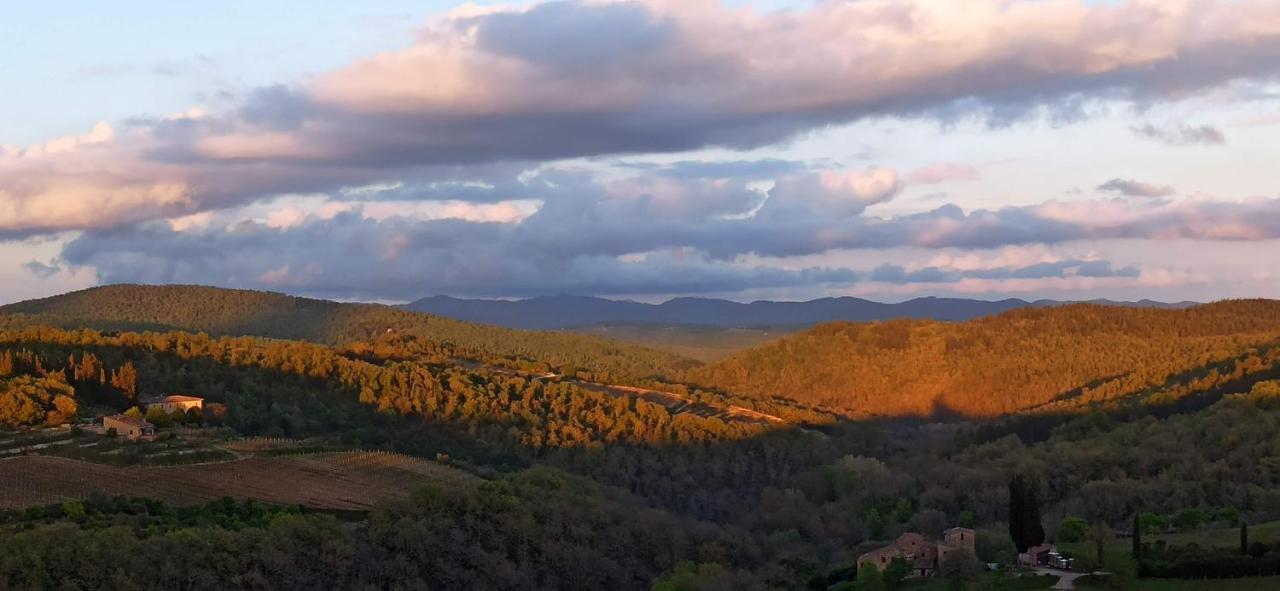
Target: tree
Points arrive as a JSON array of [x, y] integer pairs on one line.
[[869, 578], [1073, 529], [875, 524], [903, 510], [65, 405], [1137, 538], [1266, 394], [930, 522], [689, 576], [158, 417], [1244, 538], [1230, 515], [961, 568], [73, 510], [1024, 515], [967, 519], [1190, 519], [30, 400], [897, 570], [126, 380], [1100, 534], [1123, 572]]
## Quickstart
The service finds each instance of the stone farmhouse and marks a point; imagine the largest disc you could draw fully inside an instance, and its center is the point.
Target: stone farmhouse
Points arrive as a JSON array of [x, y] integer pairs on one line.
[[173, 403], [128, 427], [924, 555]]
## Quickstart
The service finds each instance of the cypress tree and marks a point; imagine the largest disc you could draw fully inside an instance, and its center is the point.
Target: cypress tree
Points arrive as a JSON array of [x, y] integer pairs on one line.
[[1017, 513], [1137, 538], [1244, 538], [1024, 515], [1035, 529]]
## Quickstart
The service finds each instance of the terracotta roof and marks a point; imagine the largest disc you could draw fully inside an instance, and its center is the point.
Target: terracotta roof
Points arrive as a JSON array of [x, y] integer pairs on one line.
[[173, 398], [128, 420]]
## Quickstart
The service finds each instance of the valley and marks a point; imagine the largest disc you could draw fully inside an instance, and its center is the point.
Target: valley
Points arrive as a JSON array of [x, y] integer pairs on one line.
[[799, 449]]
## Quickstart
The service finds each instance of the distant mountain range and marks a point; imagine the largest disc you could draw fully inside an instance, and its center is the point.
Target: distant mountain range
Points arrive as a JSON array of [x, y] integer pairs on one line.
[[567, 311]]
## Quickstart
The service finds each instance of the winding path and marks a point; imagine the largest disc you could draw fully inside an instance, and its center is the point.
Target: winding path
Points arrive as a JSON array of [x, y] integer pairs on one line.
[[1066, 579]]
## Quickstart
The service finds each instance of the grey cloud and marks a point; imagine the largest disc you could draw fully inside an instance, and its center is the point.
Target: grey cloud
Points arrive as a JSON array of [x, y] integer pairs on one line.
[[42, 270], [572, 37], [1067, 268], [766, 169], [1136, 189], [587, 234], [1182, 135], [275, 107], [331, 258]]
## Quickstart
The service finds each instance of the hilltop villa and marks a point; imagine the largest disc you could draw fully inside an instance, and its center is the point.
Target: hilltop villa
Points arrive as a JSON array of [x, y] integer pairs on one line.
[[925, 556], [173, 403]]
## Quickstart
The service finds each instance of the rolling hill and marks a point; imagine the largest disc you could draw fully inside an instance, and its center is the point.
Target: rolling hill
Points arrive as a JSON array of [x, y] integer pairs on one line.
[[219, 311], [573, 312], [1022, 360]]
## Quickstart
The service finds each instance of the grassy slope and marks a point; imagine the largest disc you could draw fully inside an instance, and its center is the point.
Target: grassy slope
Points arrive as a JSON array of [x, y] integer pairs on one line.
[[1064, 357], [240, 312]]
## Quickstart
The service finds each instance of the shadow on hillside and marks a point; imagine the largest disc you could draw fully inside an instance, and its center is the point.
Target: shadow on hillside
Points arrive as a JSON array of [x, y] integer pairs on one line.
[[666, 470]]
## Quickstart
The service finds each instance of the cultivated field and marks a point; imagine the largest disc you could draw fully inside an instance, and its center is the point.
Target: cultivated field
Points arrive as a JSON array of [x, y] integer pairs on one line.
[[343, 481]]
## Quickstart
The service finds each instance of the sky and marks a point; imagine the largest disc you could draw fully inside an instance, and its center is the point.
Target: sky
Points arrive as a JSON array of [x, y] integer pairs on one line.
[[644, 149]]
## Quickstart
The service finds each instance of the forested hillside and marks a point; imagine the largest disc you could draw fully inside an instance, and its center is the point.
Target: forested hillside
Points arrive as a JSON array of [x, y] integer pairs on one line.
[[1027, 359], [592, 491], [231, 312], [286, 388]]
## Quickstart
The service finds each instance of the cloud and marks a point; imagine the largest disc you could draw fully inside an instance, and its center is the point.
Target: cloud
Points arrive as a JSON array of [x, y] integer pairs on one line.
[[496, 85], [1136, 189], [1182, 135], [42, 270], [440, 166], [331, 258], [943, 172], [660, 230], [829, 194], [898, 274]]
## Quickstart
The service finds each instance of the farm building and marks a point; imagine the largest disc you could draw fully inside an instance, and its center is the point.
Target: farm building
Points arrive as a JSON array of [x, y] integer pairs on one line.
[[1037, 555], [925, 556], [128, 427], [173, 403]]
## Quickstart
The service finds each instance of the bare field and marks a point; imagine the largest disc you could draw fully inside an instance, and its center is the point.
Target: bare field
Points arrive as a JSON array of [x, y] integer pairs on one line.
[[343, 481]]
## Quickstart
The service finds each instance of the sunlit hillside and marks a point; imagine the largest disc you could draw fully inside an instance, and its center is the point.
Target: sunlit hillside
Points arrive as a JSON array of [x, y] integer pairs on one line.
[[1029, 359]]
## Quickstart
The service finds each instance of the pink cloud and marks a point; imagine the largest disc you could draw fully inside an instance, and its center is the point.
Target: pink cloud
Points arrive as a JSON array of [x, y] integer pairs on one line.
[[943, 172], [547, 81]]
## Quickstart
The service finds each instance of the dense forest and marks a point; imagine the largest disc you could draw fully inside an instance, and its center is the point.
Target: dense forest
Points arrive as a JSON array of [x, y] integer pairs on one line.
[[232, 312], [587, 490], [1028, 359], [296, 389]]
